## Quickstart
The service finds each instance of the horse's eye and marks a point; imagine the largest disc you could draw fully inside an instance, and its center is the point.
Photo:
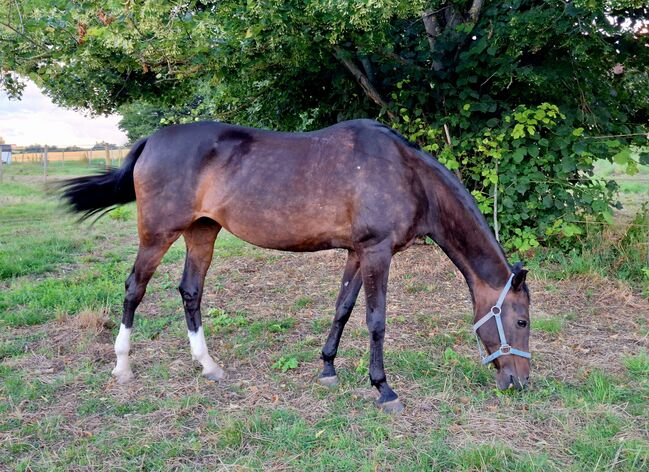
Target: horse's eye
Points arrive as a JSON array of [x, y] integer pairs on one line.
[[522, 323]]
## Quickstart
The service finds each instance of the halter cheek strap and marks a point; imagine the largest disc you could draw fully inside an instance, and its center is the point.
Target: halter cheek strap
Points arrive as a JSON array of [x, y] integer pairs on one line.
[[505, 349]]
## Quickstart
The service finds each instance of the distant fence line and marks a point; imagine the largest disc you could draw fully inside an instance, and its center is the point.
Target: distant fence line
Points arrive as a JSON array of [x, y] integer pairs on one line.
[[113, 155]]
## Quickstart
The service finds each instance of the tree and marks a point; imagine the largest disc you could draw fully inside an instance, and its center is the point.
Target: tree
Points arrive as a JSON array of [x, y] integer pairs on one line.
[[514, 96]]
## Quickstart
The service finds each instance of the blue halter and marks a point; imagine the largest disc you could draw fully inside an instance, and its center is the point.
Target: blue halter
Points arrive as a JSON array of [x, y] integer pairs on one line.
[[505, 349]]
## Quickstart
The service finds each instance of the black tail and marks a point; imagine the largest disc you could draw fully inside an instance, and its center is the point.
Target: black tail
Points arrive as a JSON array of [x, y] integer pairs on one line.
[[93, 193]]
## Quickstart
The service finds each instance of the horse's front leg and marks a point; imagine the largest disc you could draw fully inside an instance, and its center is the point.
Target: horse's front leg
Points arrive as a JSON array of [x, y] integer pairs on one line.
[[349, 288], [375, 265]]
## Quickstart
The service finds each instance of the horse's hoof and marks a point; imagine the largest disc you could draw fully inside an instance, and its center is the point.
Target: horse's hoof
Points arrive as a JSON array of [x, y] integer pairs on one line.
[[123, 377], [330, 381], [214, 375], [392, 407]]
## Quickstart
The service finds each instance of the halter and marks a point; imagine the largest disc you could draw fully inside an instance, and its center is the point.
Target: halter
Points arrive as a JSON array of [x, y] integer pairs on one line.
[[505, 349]]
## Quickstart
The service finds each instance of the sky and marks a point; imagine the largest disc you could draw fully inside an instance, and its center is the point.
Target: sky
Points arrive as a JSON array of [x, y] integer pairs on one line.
[[36, 120]]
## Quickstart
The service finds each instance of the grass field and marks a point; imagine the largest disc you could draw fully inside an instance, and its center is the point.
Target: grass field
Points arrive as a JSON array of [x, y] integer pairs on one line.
[[266, 315]]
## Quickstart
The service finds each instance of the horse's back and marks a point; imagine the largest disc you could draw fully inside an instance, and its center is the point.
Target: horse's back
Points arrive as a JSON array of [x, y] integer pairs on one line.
[[298, 191]]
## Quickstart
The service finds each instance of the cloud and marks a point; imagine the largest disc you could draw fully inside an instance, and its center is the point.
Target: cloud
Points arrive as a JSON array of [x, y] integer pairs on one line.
[[35, 119]]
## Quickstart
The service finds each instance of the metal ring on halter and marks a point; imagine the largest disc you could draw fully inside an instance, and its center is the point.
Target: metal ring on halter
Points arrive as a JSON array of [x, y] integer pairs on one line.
[[494, 308]]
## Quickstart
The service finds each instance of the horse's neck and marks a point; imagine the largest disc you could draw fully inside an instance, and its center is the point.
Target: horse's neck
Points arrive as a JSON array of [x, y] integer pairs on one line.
[[457, 226], [479, 269]]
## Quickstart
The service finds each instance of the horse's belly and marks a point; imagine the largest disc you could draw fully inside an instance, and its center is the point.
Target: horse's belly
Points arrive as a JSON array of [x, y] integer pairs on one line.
[[309, 228]]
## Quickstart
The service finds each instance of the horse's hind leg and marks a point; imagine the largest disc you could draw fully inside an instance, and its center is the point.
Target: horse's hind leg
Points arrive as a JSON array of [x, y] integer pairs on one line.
[[349, 288], [199, 237], [148, 258]]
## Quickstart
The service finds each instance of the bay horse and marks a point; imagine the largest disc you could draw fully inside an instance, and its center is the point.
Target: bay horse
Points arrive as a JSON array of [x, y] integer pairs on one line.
[[357, 185]]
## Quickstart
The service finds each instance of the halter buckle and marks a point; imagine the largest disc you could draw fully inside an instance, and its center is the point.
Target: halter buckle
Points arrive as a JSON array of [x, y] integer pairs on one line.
[[505, 349]]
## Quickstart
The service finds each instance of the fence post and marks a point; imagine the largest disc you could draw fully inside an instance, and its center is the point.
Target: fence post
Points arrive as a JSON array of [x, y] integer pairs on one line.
[[45, 162], [1, 165], [107, 155], [63, 159]]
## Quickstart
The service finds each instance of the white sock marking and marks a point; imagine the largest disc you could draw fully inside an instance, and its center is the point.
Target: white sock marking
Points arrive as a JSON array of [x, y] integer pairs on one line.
[[122, 347], [199, 353]]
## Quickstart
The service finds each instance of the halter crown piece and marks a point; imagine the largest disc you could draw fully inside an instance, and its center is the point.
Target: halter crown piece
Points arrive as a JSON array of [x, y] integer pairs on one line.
[[505, 349]]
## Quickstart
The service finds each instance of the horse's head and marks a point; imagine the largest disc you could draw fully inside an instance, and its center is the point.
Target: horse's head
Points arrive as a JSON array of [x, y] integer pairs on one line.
[[502, 322]]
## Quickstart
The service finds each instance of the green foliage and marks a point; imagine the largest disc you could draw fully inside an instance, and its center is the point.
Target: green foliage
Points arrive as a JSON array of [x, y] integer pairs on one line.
[[285, 363], [224, 322], [543, 171], [122, 213]]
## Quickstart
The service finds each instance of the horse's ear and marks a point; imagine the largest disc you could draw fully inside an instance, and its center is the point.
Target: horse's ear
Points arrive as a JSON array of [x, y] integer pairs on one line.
[[520, 275]]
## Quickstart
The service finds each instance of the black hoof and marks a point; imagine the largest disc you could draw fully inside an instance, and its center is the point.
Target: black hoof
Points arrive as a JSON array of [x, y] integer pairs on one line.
[[392, 407], [330, 381]]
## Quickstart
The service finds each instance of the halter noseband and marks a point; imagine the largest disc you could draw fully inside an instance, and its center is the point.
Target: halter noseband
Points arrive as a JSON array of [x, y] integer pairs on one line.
[[505, 349]]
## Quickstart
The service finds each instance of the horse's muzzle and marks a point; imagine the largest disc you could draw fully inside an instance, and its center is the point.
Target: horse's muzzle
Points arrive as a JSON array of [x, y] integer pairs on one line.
[[506, 380]]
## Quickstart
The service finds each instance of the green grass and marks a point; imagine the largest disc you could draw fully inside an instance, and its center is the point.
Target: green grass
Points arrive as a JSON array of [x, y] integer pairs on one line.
[[596, 447], [301, 303], [605, 168], [29, 302], [548, 325], [38, 254], [618, 255], [634, 187], [418, 288], [638, 364]]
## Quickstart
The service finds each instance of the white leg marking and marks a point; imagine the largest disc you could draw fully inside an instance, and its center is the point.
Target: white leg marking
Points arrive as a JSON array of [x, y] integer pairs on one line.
[[199, 352], [122, 369]]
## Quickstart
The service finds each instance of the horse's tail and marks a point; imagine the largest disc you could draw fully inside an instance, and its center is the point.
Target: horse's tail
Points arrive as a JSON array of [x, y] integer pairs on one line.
[[105, 191]]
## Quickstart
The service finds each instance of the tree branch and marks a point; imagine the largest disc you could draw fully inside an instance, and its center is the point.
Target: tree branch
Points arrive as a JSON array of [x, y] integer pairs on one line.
[[364, 82], [474, 11], [452, 17], [367, 65], [24, 35], [20, 16], [431, 25], [432, 28]]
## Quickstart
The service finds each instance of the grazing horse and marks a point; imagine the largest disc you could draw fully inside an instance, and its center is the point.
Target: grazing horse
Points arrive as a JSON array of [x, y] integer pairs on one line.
[[357, 185]]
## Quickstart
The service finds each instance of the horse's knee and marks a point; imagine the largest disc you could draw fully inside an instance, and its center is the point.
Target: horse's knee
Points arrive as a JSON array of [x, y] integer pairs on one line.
[[343, 312], [190, 295], [133, 294], [130, 280], [376, 327]]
